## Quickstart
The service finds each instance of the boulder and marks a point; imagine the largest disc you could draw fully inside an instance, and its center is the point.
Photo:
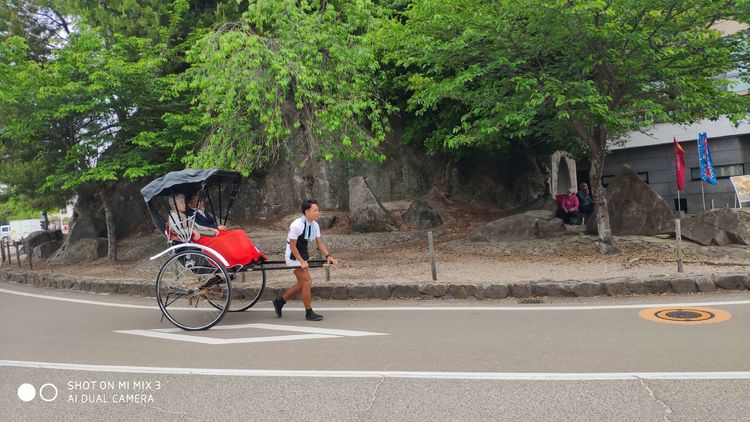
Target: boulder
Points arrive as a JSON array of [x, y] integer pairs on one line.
[[366, 211], [718, 227], [542, 203], [634, 208], [421, 215], [529, 225], [327, 221], [83, 250], [42, 236], [128, 211], [46, 249]]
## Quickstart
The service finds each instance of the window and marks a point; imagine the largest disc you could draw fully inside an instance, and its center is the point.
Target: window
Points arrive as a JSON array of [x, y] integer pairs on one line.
[[606, 180], [682, 205], [722, 172]]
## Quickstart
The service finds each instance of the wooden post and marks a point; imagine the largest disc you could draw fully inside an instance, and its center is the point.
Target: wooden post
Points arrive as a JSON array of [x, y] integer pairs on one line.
[[2, 250], [28, 253], [678, 238], [432, 255], [10, 257], [18, 255]]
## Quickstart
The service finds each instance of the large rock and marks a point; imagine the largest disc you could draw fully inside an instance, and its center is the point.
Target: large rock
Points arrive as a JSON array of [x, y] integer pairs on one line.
[[422, 216], [82, 251], [128, 211], [719, 227], [634, 208], [365, 210], [42, 236], [46, 249], [529, 225], [544, 202], [407, 172], [327, 221]]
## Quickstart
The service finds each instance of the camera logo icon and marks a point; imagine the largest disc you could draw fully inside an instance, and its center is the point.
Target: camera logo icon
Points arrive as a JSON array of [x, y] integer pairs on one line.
[[47, 392]]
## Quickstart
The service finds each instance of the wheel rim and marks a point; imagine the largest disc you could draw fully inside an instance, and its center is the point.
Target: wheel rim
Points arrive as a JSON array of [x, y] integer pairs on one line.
[[247, 288], [193, 290]]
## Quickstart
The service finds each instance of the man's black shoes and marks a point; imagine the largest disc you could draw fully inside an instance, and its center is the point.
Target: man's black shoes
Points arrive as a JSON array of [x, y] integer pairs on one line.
[[312, 316], [278, 303]]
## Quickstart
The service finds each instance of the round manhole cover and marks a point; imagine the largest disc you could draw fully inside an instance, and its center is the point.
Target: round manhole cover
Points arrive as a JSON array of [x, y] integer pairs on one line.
[[691, 315]]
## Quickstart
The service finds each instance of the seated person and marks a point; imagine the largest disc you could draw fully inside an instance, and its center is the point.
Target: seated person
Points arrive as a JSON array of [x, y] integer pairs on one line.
[[233, 245], [197, 206], [585, 201], [568, 209]]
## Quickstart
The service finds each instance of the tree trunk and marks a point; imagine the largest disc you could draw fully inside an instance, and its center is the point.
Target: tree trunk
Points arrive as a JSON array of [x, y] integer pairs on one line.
[[111, 234], [606, 242]]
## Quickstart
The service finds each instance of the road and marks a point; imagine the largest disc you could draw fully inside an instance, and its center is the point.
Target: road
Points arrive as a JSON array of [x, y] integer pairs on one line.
[[88, 356]]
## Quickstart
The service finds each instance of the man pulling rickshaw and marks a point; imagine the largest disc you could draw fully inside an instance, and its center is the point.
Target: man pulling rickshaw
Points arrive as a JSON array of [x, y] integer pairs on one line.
[[212, 269]]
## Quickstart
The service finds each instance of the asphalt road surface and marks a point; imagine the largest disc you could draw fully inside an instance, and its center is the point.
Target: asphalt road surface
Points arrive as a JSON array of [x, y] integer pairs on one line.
[[76, 356]]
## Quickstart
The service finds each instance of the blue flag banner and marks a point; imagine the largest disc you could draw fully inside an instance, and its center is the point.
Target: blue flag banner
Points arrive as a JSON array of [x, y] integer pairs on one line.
[[704, 158]]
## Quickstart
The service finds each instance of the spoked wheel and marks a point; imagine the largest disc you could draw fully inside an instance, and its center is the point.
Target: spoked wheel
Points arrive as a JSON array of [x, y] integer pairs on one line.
[[193, 290], [247, 287]]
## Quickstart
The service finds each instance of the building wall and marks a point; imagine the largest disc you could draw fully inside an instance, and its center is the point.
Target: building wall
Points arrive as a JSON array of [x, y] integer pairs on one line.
[[658, 161]]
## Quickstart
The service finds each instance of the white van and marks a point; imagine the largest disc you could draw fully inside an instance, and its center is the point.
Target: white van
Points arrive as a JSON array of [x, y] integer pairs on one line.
[[4, 232]]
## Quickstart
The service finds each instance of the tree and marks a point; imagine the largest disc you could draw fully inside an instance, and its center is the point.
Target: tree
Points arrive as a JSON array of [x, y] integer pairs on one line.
[[88, 108], [39, 22], [288, 77], [592, 69]]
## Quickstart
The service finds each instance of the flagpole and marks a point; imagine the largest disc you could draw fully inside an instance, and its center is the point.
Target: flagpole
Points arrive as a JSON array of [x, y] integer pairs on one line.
[[679, 208]]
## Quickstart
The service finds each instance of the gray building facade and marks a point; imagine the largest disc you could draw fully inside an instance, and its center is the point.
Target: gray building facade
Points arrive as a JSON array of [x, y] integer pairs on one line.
[[654, 160]]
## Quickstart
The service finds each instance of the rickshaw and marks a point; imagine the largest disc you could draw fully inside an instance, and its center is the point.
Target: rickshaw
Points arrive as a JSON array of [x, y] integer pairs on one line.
[[196, 286]]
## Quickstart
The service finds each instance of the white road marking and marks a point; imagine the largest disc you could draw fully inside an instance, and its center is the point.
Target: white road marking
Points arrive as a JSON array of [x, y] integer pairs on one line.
[[491, 376], [282, 327], [82, 301], [221, 341], [410, 308], [313, 333]]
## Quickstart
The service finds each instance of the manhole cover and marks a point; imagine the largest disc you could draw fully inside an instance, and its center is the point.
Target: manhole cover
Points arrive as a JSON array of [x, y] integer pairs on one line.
[[685, 315], [692, 315]]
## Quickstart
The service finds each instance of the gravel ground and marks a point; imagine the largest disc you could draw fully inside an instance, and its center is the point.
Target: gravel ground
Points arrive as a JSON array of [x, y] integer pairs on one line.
[[403, 258]]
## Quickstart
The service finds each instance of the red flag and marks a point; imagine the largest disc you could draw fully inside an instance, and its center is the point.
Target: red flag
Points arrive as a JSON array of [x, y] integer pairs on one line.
[[679, 160]]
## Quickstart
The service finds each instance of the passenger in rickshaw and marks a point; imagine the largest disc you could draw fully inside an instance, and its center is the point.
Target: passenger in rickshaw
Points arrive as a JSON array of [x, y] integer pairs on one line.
[[197, 206], [233, 245]]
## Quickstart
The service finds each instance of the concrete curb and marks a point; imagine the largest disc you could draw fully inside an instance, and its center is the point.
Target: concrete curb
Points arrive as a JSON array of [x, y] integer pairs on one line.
[[618, 286]]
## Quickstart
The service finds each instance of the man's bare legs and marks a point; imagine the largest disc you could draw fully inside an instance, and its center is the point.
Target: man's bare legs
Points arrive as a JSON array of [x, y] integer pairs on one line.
[[303, 286], [304, 289]]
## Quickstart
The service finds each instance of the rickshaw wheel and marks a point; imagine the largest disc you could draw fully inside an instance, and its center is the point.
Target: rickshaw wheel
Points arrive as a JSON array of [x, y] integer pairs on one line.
[[247, 288], [193, 290]]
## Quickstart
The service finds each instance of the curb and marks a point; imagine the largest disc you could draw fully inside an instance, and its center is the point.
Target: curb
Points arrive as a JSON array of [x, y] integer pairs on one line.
[[618, 286]]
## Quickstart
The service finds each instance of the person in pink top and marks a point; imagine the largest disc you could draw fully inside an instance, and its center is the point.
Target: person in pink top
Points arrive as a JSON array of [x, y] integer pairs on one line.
[[568, 210]]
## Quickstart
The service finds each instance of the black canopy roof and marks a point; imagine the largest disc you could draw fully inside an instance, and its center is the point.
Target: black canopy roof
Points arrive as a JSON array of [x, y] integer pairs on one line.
[[187, 181]]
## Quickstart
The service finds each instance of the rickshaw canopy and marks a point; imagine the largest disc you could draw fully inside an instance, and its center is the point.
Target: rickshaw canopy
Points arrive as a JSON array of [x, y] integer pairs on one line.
[[188, 181]]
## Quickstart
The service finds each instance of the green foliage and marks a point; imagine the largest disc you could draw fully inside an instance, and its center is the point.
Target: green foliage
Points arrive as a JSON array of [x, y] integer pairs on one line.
[[38, 22], [539, 68], [90, 109], [289, 77], [67, 120]]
